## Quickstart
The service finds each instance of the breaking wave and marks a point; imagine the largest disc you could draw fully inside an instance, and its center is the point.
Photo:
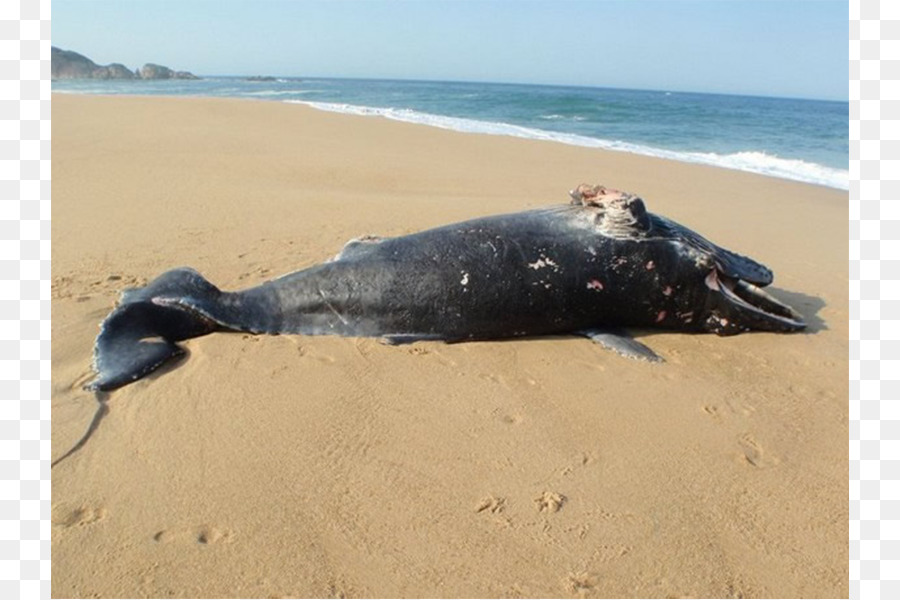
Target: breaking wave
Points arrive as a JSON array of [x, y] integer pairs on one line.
[[750, 160]]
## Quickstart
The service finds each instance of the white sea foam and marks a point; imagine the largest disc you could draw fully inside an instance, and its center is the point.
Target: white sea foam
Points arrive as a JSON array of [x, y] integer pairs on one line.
[[555, 117], [751, 161], [281, 92]]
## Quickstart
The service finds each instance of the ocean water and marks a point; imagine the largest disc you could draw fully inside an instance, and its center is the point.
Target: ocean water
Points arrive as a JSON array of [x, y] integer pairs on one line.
[[803, 140]]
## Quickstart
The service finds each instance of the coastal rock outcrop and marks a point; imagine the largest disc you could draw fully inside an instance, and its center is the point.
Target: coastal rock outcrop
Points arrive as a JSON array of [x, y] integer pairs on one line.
[[152, 71], [66, 64], [114, 71]]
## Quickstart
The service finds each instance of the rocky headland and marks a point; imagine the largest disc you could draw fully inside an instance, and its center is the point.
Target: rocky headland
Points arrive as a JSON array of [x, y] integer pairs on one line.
[[66, 64]]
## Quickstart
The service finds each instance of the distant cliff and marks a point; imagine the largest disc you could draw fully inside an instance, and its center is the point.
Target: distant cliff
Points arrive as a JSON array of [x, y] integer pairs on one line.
[[65, 64]]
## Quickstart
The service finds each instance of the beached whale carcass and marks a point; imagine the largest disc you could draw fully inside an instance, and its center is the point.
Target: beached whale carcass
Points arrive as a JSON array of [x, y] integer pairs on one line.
[[589, 267]]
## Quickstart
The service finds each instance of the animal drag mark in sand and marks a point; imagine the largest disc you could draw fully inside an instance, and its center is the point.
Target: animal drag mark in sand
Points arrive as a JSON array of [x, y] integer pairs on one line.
[[588, 268]]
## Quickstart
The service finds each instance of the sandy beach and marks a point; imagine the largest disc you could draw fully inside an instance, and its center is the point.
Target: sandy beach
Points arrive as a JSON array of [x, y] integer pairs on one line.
[[291, 466]]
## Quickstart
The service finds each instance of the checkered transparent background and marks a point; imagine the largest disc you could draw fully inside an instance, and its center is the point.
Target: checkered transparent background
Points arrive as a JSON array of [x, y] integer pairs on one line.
[[874, 296], [25, 298]]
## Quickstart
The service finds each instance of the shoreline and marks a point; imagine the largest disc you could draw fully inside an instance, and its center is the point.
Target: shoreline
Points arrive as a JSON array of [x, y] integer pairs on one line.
[[749, 161], [466, 125], [318, 466]]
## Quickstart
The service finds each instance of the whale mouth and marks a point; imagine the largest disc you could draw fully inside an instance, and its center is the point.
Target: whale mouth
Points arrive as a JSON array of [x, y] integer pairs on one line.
[[749, 307]]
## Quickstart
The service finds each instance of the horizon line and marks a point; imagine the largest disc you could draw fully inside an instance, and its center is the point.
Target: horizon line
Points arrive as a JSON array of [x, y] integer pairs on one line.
[[558, 85]]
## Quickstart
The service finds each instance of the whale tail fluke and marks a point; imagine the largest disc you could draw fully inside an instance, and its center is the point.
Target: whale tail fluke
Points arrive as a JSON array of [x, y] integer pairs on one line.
[[140, 334]]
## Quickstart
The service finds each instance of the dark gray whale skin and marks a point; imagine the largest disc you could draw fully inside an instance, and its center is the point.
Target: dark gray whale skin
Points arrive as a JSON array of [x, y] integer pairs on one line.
[[601, 262]]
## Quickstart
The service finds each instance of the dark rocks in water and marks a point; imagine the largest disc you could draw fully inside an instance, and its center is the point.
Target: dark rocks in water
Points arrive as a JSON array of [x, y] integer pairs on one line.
[[260, 78], [115, 71], [65, 64], [152, 71]]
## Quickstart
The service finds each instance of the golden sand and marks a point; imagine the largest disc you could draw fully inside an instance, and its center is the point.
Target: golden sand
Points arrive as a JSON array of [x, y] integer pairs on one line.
[[294, 466]]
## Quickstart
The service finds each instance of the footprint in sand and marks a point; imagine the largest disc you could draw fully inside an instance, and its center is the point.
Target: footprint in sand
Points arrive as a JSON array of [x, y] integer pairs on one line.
[[580, 584], [203, 535], [583, 459], [753, 453], [211, 535], [550, 502], [308, 352], [733, 407], [713, 411], [496, 379], [491, 504], [69, 515]]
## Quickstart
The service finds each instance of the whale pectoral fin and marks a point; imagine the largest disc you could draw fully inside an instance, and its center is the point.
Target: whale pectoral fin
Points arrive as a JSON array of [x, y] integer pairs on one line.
[[400, 339], [620, 342]]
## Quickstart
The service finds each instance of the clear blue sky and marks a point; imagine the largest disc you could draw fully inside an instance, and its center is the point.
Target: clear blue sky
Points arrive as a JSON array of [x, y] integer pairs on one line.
[[760, 47]]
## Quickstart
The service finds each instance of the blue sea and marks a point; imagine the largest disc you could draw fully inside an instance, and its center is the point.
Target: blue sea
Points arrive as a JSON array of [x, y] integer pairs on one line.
[[803, 140]]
